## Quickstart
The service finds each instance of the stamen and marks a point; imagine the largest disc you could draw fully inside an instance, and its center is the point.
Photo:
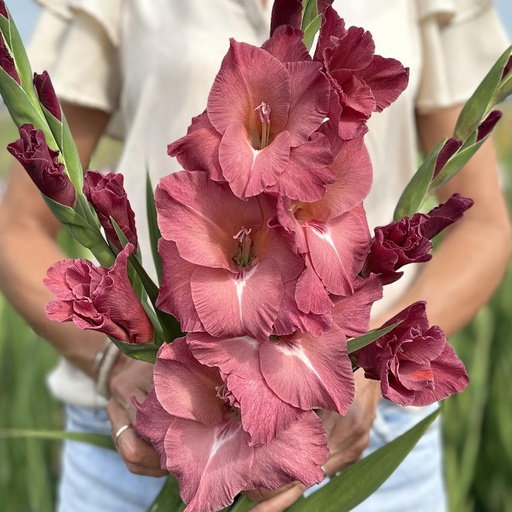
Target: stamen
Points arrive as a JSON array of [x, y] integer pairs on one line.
[[244, 256], [264, 116]]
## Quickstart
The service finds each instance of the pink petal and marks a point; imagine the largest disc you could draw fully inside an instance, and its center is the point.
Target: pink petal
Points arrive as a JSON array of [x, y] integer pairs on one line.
[[202, 217], [199, 149], [286, 45], [338, 248], [310, 97], [263, 414], [237, 304], [296, 454], [248, 76], [352, 52], [59, 311], [307, 174], [250, 171], [212, 463], [56, 280], [310, 294], [152, 423], [387, 79], [353, 170], [175, 295], [291, 318], [352, 312], [308, 372], [179, 389]]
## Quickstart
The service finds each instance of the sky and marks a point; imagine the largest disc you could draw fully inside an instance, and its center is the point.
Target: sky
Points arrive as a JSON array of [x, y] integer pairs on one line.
[[25, 13]]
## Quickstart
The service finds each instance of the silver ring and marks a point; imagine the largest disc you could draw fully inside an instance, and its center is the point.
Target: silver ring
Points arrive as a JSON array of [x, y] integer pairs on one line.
[[120, 430]]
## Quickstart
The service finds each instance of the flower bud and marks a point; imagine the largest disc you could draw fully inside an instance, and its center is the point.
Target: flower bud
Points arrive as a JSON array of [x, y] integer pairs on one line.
[[42, 165], [7, 62], [46, 94], [108, 197]]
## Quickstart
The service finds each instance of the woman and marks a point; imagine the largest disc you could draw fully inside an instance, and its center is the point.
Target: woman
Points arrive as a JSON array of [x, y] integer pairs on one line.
[[153, 64]]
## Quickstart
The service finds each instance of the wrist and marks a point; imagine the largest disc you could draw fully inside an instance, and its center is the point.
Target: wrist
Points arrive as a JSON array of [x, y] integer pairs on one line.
[[104, 361]]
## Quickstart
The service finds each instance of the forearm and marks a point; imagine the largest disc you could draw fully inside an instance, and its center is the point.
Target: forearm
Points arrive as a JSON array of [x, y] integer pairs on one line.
[[473, 255], [462, 275], [26, 253]]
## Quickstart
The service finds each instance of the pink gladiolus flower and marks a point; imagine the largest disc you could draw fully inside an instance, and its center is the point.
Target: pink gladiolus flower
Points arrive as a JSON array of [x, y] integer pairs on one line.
[[108, 197], [42, 165], [47, 95], [333, 231], [414, 362], [408, 240], [362, 82], [266, 126], [286, 374], [224, 268], [98, 298], [193, 421]]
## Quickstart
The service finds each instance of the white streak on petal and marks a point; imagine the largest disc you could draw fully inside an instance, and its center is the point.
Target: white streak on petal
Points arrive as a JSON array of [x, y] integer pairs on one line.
[[240, 283], [327, 237], [299, 353]]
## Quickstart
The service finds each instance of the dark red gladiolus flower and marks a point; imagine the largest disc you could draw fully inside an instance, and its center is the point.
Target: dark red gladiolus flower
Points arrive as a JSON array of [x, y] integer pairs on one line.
[[42, 165], [98, 298], [7, 62], [414, 362], [47, 95], [108, 197], [409, 239]]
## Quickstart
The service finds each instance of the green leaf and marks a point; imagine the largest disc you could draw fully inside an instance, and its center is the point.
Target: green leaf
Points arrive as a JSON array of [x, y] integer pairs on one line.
[[362, 479], [171, 327], [360, 342], [67, 147], [169, 498], [481, 100], [414, 194], [145, 352], [101, 440], [82, 231], [154, 231], [309, 12], [311, 30]]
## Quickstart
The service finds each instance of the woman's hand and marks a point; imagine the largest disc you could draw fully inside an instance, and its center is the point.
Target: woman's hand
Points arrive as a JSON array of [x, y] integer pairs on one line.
[[132, 379]]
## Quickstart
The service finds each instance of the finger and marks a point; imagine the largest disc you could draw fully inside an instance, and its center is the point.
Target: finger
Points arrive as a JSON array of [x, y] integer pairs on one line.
[[282, 501], [139, 456]]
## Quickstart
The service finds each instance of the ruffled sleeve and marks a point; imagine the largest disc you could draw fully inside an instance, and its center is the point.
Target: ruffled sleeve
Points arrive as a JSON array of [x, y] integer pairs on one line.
[[84, 60], [461, 40]]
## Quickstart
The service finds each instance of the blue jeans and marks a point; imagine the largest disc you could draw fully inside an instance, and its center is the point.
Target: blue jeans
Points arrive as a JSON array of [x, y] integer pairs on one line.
[[96, 480]]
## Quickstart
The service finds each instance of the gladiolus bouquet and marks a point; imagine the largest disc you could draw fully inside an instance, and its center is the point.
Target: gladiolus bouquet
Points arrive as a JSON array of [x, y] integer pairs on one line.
[[268, 271]]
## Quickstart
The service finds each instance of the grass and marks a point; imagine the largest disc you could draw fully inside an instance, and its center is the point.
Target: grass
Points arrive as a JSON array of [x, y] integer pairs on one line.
[[477, 423]]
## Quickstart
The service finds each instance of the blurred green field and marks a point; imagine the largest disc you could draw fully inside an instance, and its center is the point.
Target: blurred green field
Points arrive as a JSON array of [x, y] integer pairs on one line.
[[477, 423]]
